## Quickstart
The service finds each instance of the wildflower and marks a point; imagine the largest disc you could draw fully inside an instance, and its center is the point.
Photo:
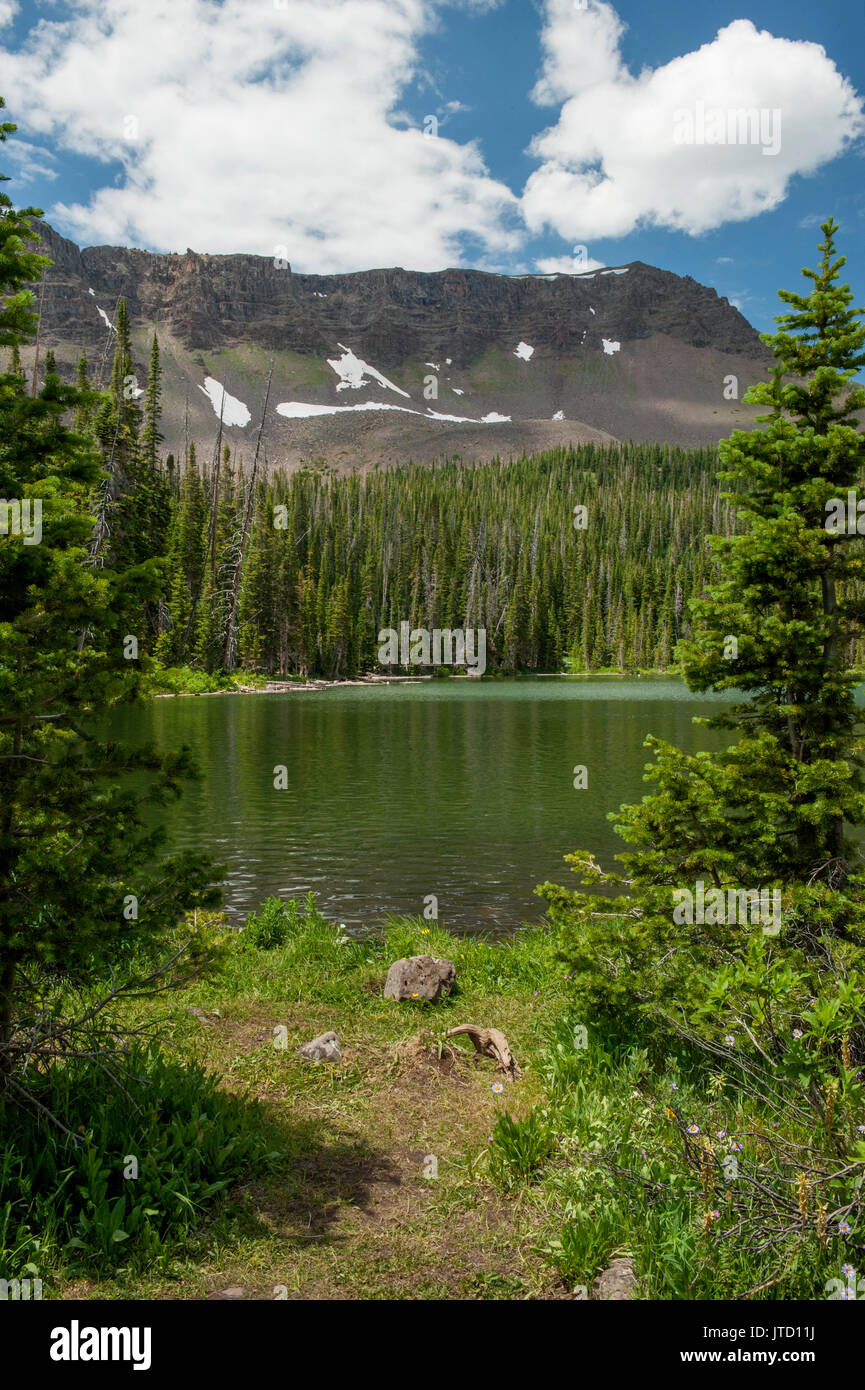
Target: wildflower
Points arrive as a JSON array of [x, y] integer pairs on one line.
[[822, 1209], [674, 1086], [415, 996], [498, 1087], [774, 1124], [844, 1228], [862, 1129], [802, 1195], [693, 1129], [736, 1146], [830, 1104], [847, 1294], [671, 1113], [424, 931], [720, 1134], [716, 1214], [848, 1271], [729, 1039], [797, 1032], [490, 1138], [643, 1153]]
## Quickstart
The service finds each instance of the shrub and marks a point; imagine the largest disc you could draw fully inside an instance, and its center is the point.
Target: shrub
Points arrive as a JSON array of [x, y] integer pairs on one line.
[[271, 925], [138, 1167]]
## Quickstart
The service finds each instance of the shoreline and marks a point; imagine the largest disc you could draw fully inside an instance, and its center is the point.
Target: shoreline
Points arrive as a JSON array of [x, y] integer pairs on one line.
[[291, 687]]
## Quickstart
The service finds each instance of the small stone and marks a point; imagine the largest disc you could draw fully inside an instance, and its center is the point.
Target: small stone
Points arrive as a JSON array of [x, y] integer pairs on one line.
[[322, 1049], [420, 977], [617, 1281], [201, 1016], [234, 1292]]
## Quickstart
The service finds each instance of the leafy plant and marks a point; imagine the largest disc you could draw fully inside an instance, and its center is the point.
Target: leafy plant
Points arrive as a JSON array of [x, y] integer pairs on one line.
[[270, 927], [136, 1168], [519, 1147]]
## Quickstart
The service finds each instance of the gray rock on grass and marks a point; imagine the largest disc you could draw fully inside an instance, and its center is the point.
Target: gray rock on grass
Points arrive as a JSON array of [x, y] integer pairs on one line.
[[420, 977], [616, 1284], [323, 1049]]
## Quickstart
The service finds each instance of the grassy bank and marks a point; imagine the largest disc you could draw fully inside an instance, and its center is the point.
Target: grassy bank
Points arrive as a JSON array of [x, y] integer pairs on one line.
[[410, 1169], [185, 680], [340, 1205]]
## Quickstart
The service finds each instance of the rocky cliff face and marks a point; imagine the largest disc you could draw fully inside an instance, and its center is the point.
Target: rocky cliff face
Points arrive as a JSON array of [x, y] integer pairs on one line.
[[386, 364]]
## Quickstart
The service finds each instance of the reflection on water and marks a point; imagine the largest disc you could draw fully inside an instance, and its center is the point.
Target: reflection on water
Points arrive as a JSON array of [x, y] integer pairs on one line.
[[462, 789]]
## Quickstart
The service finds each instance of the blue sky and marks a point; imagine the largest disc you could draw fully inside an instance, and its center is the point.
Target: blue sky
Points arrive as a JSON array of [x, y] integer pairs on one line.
[[252, 125]]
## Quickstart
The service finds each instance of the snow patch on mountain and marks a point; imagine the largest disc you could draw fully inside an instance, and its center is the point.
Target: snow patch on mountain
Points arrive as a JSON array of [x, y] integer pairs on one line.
[[524, 351], [303, 410], [353, 372], [231, 410], [610, 346], [559, 415]]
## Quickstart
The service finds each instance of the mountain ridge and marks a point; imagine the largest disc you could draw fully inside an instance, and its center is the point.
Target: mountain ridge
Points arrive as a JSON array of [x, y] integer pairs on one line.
[[457, 361]]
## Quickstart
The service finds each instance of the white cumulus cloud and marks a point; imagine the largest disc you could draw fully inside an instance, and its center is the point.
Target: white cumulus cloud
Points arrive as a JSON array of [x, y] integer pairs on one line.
[[245, 126], [568, 265], [277, 127], [29, 161], [616, 158]]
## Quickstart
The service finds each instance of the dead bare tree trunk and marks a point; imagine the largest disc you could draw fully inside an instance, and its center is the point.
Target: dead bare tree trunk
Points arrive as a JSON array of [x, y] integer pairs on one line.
[[38, 337], [214, 493], [490, 1042]]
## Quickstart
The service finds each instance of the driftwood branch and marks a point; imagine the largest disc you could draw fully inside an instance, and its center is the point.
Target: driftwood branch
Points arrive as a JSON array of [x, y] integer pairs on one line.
[[490, 1042]]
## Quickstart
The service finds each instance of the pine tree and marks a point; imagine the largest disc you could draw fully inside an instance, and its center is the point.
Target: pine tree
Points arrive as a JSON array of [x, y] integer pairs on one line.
[[74, 853], [119, 422], [150, 436], [86, 397], [141, 491], [223, 538], [309, 627], [769, 812], [339, 629]]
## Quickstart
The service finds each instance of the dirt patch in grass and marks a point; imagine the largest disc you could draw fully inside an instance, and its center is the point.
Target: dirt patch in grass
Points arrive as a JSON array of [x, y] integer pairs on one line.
[[381, 1190], [380, 1205]]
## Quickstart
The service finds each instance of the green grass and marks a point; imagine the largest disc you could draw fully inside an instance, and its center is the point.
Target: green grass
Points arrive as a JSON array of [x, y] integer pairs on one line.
[[408, 1170], [184, 680], [335, 1191]]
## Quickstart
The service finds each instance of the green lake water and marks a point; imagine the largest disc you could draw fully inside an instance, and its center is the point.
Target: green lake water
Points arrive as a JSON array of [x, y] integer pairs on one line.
[[462, 789]]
